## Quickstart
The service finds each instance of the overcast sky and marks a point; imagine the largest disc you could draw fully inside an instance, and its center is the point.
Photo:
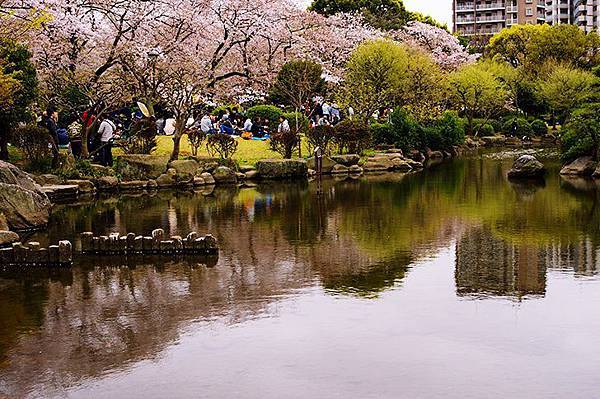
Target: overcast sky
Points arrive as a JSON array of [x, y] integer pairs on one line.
[[441, 10]]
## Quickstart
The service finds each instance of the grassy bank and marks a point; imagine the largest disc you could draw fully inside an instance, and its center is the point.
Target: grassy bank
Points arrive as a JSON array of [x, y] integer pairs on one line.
[[248, 152]]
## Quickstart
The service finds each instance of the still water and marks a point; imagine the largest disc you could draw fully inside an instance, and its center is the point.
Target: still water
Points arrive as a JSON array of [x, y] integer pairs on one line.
[[452, 283]]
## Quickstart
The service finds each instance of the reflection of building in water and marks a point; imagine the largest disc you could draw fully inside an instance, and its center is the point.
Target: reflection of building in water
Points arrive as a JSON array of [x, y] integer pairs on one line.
[[488, 265], [582, 257]]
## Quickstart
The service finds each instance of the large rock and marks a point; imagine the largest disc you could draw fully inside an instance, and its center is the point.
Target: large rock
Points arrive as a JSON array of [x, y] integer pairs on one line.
[[273, 169], [186, 169], [493, 141], [85, 186], [527, 166], [22, 200], [7, 238], [584, 166], [106, 183], [48, 180], [209, 164], [327, 164], [141, 167], [224, 175], [346, 160], [24, 209], [208, 178], [62, 192]]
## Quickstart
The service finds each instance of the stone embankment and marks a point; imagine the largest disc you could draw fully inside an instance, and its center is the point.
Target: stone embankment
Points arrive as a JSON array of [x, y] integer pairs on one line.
[[31, 254]]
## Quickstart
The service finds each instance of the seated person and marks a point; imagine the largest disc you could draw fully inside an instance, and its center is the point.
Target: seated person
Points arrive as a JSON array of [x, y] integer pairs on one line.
[[257, 129], [226, 127]]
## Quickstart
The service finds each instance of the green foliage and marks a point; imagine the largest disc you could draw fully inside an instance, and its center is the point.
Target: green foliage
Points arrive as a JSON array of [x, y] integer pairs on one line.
[[517, 126], [407, 133], [142, 137], [565, 88], [221, 109], [382, 14], [268, 112], [496, 125], [487, 130], [352, 136], [539, 127], [442, 134], [196, 137], [222, 145], [297, 82], [383, 134], [481, 91], [297, 119], [15, 61], [82, 169], [581, 135], [33, 141], [321, 136], [530, 46]]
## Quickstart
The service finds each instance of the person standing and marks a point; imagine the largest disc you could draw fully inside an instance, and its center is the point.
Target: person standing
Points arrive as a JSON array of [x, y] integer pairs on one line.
[[284, 125], [106, 131], [51, 124]]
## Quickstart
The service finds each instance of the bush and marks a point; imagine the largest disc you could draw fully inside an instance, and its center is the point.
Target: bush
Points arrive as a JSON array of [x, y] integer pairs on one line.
[[221, 144], [33, 142], [352, 136], [196, 137], [496, 124], [383, 134], [142, 137], [581, 134], [269, 112], [221, 109], [303, 123], [518, 127], [539, 127], [487, 130], [321, 136], [451, 129], [285, 143], [407, 133]]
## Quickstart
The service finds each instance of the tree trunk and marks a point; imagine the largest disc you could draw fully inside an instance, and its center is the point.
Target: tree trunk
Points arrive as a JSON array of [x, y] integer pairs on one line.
[[179, 130], [85, 151]]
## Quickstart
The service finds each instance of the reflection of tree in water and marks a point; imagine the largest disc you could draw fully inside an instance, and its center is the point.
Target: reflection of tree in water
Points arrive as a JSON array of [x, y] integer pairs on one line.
[[488, 265]]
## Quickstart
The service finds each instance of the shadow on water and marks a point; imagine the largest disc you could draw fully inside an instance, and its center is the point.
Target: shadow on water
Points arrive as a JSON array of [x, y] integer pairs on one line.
[[359, 239]]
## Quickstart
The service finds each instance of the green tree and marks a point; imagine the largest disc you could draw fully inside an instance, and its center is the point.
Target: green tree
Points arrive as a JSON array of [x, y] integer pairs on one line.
[[581, 134], [15, 61], [382, 14], [383, 74], [481, 91], [530, 46], [565, 88]]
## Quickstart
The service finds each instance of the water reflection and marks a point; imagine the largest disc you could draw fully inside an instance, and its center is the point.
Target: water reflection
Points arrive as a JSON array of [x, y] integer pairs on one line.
[[359, 239]]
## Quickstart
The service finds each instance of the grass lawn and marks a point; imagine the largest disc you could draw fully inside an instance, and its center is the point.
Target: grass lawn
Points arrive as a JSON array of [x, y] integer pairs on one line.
[[248, 152]]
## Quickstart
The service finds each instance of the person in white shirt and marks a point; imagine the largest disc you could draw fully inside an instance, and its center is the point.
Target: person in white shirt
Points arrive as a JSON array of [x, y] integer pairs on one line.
[[206, 124], [284, 125], [326, 110], [107, 132], [248, 125]]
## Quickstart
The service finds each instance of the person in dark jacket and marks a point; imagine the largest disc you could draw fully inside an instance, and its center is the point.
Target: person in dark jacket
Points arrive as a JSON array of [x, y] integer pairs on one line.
[[51, 124]]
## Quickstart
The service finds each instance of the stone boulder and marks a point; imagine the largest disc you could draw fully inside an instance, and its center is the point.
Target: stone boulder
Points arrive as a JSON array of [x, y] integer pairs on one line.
[[106, 183], [209, 164], [251, 174], [401, 165], [327, 164], [493, 141], [133, 185], [346, 160], [584, 166], [85, 186], [527, 166], [355, 170], [186, 169], [274, 169], [7, 238], [168, 179], [208, 178], [22, 200], [141, 167], [434, 154], [48, 180], [224, 175], [61, 192], [340, 169]]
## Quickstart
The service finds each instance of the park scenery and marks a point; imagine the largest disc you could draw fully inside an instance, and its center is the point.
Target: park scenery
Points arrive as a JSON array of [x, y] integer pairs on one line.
[[273, 199]]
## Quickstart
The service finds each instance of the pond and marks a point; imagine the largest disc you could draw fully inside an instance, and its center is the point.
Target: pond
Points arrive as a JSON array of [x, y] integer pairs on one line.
[[451, 283]]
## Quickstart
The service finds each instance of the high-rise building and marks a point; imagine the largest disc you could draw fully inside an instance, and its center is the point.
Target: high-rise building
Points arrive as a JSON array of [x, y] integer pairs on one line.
[[583, 13], [486, 17]]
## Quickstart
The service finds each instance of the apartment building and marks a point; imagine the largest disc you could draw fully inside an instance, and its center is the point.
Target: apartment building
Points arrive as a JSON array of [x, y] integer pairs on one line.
[[486, 17], [583, 13]]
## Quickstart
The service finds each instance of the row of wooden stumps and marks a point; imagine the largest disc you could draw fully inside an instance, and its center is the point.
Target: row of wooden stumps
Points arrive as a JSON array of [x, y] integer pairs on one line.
[[155, 244], [31, 254]]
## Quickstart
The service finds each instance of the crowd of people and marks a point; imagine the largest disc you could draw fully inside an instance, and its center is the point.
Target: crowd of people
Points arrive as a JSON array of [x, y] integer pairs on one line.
[[105, 127]]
